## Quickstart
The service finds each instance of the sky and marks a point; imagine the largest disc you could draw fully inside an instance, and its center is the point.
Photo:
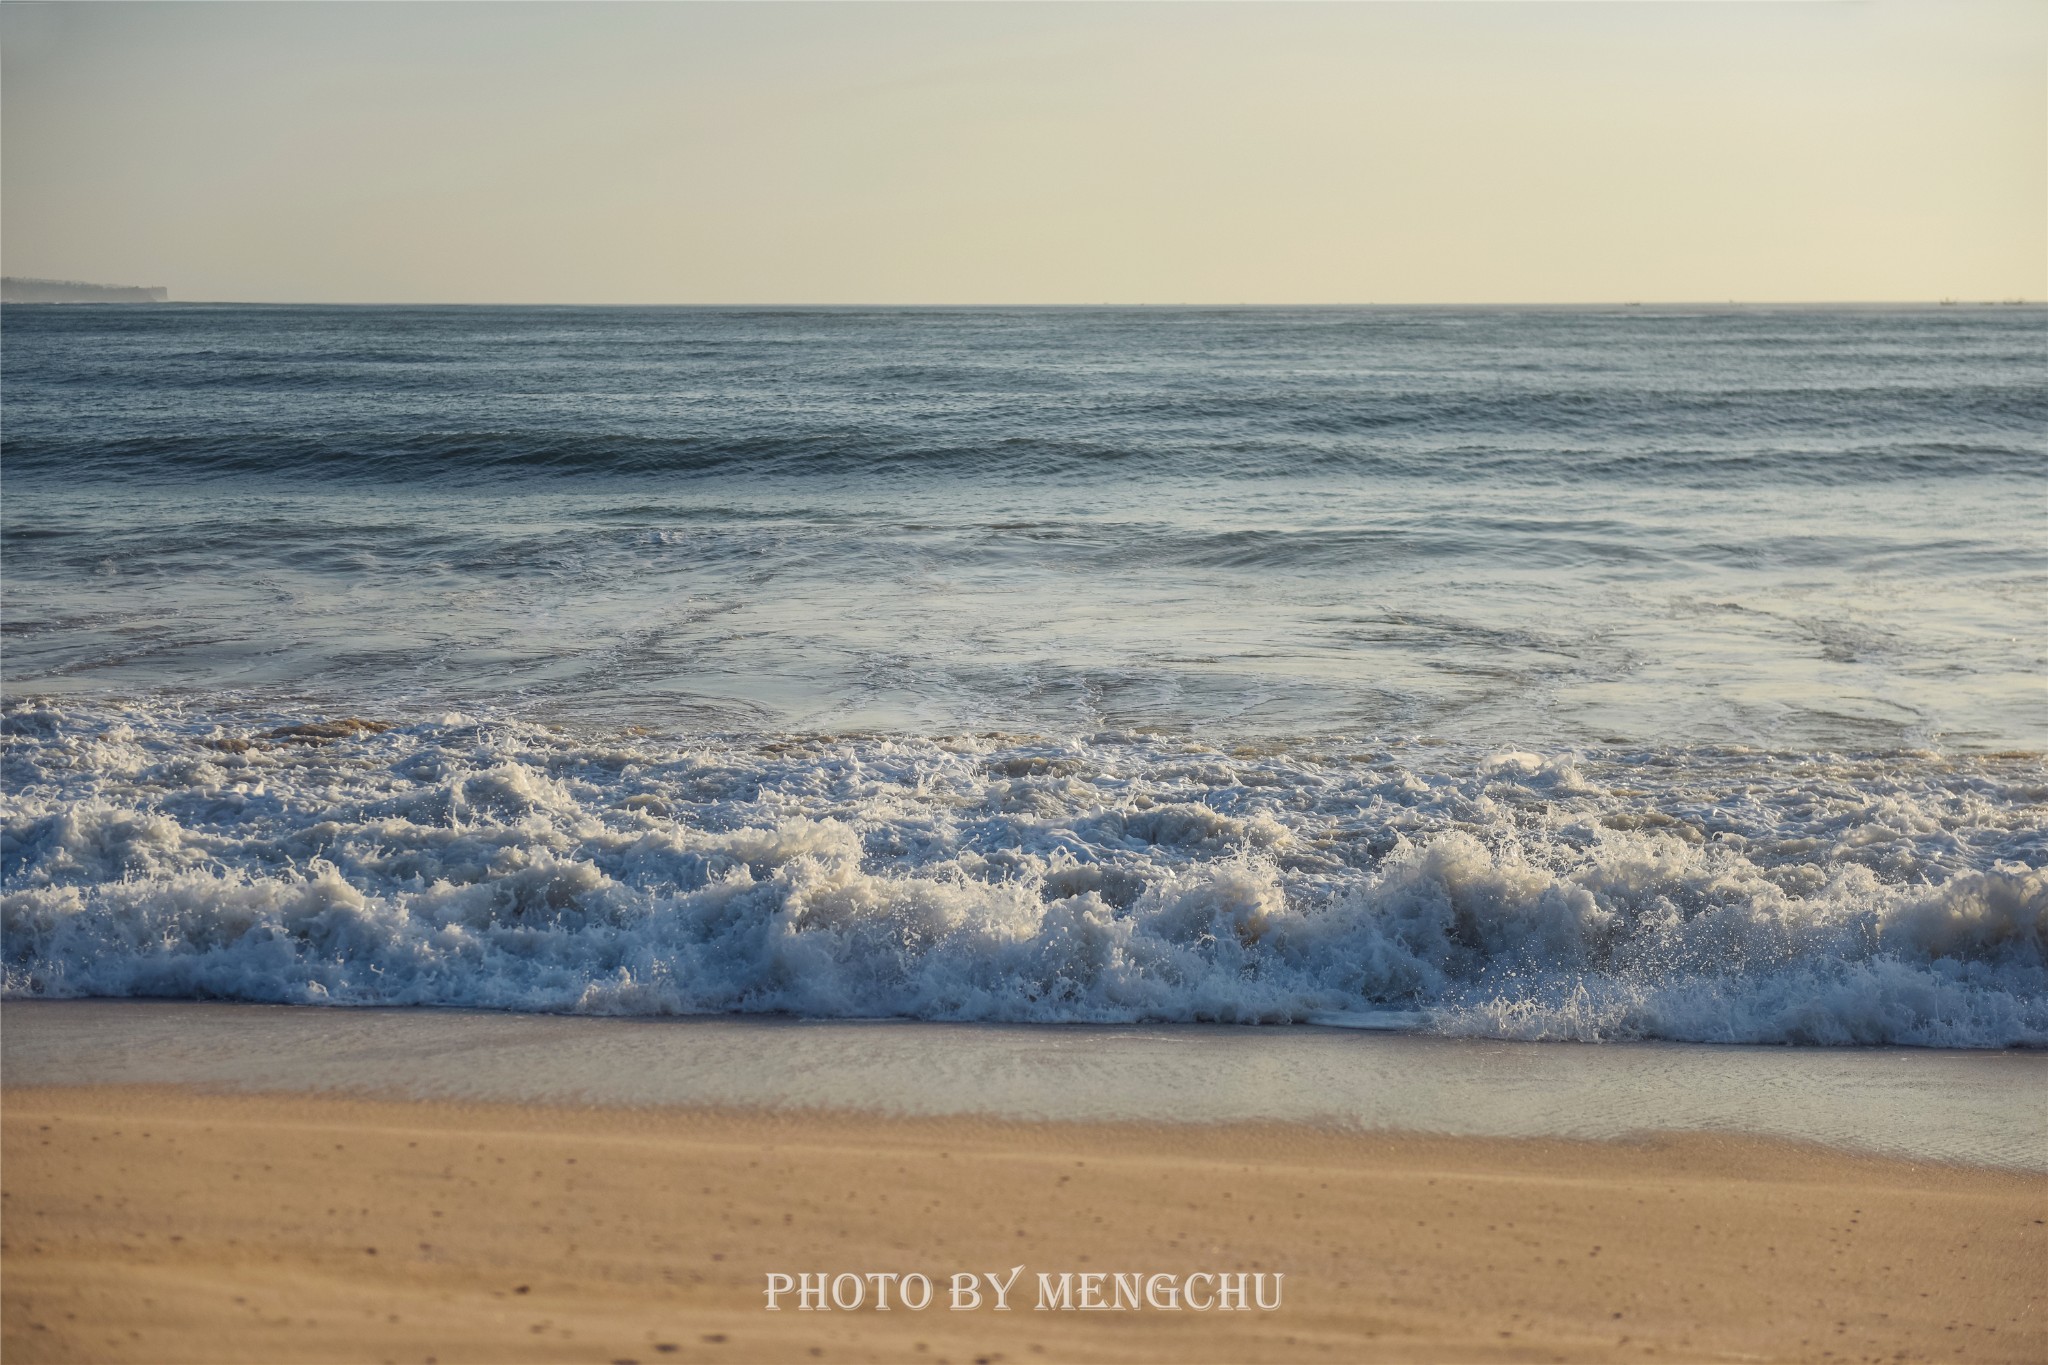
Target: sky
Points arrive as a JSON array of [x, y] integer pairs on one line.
[[988, 153]]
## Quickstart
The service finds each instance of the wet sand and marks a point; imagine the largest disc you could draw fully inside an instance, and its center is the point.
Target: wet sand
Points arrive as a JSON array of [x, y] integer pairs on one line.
[[1976, 1108], [177, 1224]]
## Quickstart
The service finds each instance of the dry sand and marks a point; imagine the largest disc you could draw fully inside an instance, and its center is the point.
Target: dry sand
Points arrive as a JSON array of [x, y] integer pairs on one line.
[[160, 1224]]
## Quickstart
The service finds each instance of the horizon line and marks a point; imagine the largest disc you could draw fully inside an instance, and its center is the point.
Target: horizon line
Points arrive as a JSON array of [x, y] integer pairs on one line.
[[1957, 302]]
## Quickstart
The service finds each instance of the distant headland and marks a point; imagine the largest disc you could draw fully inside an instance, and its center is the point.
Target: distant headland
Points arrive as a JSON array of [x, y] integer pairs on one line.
[[14, 289]]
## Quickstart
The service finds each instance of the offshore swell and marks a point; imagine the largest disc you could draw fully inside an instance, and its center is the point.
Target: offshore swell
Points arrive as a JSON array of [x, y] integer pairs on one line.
[[1543, 675]]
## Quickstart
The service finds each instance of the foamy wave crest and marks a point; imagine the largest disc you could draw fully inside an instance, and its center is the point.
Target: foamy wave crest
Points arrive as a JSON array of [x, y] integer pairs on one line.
[[1702, 895]]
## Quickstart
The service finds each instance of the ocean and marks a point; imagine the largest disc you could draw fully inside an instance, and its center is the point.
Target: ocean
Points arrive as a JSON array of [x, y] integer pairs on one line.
[[1575, 674]]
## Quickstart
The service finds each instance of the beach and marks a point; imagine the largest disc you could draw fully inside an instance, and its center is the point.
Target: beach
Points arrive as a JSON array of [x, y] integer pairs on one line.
[[195, 1182], [172, 1224]]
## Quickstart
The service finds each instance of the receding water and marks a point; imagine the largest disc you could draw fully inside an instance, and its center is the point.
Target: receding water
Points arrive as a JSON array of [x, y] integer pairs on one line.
[[1987, 1109]]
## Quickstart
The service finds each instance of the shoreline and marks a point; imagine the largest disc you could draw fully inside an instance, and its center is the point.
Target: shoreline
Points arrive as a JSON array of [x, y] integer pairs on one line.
[[1923, 1104], [169, 1223]]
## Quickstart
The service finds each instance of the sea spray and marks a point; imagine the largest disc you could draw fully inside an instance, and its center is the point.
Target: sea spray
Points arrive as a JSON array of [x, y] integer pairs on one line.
[[1699, 894]]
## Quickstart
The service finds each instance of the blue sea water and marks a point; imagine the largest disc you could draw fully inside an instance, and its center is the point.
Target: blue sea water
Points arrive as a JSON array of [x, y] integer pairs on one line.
[[1582, 673]]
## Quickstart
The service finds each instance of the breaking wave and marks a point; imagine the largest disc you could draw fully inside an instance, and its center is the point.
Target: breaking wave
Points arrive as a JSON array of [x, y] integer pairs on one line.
[[1699, 894]]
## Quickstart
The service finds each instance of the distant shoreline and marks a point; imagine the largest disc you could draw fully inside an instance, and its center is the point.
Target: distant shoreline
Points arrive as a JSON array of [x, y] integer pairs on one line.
[[21, 289]]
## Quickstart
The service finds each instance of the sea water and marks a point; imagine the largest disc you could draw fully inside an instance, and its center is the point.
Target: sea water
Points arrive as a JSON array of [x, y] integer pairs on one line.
[[1638, 673]]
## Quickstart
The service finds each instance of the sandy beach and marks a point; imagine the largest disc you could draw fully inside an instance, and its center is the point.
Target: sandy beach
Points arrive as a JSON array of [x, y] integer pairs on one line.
[[172, 1224]]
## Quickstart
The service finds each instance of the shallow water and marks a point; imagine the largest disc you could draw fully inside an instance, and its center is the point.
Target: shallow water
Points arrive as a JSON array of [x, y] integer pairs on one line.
[[1985, 1108], [1576, 674]]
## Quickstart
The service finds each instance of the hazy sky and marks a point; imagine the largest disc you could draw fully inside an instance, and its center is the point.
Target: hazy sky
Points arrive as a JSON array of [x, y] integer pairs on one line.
[[969, 153]]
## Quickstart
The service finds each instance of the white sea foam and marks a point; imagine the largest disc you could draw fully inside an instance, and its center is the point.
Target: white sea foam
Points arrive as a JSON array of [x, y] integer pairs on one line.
[[1710, 895]]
